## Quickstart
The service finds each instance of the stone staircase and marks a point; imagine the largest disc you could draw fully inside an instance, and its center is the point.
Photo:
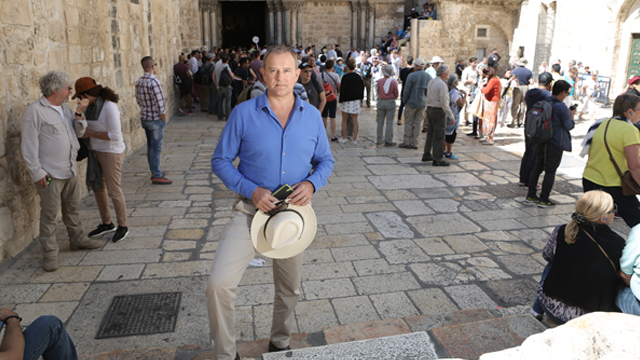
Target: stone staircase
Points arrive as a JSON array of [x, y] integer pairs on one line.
[[465, 334]]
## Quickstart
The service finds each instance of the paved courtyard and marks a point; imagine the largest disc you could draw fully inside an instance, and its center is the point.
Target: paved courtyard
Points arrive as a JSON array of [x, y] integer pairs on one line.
[[396, 238]]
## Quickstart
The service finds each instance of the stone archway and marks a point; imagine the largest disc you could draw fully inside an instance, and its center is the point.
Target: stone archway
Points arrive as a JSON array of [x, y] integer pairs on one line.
[[627, 33], [473, 41]]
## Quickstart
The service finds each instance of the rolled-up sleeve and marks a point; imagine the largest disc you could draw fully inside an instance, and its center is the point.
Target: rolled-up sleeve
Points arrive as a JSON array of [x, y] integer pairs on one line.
[[31, 145], [114, 128]]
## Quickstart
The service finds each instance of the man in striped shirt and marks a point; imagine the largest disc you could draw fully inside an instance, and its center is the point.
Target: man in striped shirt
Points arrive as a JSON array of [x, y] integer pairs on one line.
[[153, 116]]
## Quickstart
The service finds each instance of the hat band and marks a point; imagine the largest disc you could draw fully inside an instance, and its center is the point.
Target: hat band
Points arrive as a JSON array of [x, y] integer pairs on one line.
[[264, 228]]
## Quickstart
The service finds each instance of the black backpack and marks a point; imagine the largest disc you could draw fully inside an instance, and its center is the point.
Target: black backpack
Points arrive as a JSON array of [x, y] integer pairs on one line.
[[225, 78], [537, 126]]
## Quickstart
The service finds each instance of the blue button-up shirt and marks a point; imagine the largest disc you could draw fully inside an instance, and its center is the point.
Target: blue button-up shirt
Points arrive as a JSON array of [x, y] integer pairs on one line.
[[271, 156]]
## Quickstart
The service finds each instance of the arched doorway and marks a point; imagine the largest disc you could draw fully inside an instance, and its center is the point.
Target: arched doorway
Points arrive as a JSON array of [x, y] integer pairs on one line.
[[241, 21]]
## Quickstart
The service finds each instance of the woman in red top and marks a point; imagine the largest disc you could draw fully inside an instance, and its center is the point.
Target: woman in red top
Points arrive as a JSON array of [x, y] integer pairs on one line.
[[491, 91]]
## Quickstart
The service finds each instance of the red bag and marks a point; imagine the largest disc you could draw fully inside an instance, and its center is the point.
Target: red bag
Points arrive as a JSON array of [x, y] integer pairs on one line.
[[328, 90]]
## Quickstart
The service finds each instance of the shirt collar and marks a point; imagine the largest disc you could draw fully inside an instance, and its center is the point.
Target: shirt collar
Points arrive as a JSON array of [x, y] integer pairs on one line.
[[263, 102]]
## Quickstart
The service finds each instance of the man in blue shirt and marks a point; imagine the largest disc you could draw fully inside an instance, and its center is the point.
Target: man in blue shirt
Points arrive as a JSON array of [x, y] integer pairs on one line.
[[279, 140], [525, 78], [549, 155]]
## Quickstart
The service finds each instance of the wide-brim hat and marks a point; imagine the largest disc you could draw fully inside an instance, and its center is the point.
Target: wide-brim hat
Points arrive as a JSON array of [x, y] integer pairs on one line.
[[436, 59], [522, 61], [84, 84], [285, 234]]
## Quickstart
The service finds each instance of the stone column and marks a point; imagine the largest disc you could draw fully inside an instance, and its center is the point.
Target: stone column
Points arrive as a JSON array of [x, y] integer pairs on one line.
[[212, 27], [205, 25], [354, 23], [279, 28], [272, 23], [287, 26], [299, 24], [372, 29], [363, 25]]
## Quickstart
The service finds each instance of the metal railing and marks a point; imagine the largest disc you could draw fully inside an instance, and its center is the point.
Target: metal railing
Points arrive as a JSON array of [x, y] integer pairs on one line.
[[602, 93]]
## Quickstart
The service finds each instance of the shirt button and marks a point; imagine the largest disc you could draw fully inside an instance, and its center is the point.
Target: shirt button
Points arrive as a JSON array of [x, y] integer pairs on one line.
[[283, 172], [283, 154]]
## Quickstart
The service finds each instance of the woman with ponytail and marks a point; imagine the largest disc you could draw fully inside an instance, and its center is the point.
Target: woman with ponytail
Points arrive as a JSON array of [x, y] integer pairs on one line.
[[583, 255]]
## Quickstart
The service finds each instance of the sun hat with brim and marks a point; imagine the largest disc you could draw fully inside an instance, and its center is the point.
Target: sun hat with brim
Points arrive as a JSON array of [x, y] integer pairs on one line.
[[285, 234], [436, 59], [522, 61], [84, 84], [634, 79]]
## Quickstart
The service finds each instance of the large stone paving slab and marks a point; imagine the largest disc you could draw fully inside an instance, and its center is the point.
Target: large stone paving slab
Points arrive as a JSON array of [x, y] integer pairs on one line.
[[390, 225], [390, 182], [445, 224], [408, 346]]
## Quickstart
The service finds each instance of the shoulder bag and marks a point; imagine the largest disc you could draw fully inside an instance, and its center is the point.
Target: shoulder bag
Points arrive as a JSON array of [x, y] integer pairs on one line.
[[628, 183]]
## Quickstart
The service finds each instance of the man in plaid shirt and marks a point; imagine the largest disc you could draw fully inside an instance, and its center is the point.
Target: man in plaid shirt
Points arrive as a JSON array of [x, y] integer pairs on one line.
[[153, 116]]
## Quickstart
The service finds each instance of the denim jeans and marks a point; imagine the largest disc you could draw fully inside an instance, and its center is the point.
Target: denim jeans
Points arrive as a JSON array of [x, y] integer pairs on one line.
[[224, 102], [154, 129], [47, 337], [213, 99], [627, 302], [538, 307]]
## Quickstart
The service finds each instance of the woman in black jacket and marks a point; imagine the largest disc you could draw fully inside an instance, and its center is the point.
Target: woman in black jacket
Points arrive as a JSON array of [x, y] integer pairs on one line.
[[351, 93], [584, 262]]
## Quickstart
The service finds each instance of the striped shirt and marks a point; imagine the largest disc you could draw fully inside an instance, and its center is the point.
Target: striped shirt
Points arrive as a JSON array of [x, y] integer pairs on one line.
[[149, 97]]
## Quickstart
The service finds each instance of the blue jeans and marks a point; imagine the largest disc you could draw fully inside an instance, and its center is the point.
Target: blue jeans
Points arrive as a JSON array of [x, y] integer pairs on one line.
[[154, 129], [538, 307], [224, 102], [47, 337], [627, 302], [213, 99]]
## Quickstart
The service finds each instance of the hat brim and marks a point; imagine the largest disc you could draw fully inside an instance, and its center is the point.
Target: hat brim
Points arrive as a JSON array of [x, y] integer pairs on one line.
[[261, 244]]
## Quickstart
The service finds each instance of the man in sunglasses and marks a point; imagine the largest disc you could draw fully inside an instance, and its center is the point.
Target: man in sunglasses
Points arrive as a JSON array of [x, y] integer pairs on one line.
[[279, 140]]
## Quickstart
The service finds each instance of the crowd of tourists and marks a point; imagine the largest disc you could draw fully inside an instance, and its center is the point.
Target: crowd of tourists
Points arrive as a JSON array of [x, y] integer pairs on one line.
[[590, 268]]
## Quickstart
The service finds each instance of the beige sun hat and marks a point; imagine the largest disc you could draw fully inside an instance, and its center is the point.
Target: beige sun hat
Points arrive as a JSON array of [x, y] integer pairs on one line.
[[284, 234]]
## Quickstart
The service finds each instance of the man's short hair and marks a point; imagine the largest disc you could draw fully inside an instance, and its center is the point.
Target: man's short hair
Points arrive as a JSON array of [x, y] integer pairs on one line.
[[54, 81], [147, 63], [560, 86], [472, 59], [280, 49], [556, 68], [329, 64], [545, 79], [441, 70], [224, 57], [351, 64]]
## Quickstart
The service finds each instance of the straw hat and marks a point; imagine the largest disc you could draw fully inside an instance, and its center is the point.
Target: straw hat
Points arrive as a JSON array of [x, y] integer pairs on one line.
[[284, 234]]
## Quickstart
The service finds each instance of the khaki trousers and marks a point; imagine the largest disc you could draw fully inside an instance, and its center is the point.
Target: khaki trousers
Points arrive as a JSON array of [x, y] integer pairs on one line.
[[234, 253], [412, 124], [63, 193], [111, 166]]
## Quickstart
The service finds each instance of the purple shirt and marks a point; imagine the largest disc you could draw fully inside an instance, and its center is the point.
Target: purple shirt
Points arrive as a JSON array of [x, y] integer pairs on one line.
[[256, 65]]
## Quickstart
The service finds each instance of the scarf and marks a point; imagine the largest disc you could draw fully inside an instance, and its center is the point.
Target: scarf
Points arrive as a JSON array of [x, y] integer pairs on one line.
[[586, 142], [93, 110], [387, 85]]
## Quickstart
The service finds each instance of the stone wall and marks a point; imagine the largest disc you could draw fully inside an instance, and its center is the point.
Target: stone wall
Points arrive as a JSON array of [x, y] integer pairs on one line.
[[453, 35], [104, 39], [388, 16], [325, 23]]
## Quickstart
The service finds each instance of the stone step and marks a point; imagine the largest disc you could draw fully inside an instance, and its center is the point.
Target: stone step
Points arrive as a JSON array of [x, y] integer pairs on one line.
[[462, 333]]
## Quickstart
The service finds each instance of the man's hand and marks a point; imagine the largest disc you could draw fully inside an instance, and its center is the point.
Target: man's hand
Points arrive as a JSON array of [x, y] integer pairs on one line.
[[452, 121], [43, 182], [82, 105], [302, 193], [263, 199], [572, 113], [626, 278], [4, 313]]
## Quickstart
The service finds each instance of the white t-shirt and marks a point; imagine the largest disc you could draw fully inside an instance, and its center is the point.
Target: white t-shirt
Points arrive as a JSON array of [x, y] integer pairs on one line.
[[468, 74], [59, 108], [109, 122]]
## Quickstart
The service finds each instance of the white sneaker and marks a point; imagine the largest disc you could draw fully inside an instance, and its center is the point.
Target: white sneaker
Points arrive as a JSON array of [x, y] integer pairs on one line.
[[342, 141], [355, 143]]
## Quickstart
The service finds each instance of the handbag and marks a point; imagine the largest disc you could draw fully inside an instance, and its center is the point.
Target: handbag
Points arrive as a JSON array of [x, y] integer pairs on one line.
[[328, 90], [177, 80], [477, 107], [628, 183]]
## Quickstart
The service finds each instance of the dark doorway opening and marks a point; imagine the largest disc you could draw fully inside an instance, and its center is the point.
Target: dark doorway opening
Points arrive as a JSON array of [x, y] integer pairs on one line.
[[241, 21]]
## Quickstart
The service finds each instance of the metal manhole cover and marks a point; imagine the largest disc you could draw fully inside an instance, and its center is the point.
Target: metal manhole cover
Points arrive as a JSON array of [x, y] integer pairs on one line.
[[143, 314]]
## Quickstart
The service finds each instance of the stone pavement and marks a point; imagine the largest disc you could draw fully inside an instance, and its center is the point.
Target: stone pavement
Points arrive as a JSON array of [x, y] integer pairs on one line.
[[396, 238]]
